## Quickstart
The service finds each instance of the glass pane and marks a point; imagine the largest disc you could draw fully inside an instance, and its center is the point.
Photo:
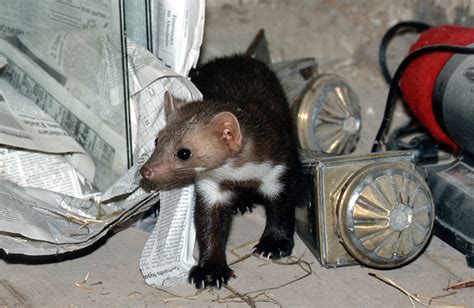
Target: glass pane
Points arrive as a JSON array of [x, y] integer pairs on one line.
[[69, 58]]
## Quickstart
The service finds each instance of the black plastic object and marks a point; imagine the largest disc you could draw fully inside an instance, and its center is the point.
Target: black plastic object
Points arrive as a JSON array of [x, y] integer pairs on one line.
[[452, 187]]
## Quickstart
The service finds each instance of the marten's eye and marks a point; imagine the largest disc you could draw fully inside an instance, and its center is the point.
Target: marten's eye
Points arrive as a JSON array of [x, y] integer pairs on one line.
[[156, 142], [184, 154]]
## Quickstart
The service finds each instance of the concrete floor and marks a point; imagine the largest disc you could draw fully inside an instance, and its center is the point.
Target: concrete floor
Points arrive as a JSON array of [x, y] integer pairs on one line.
[[115, 280], [343, 36]]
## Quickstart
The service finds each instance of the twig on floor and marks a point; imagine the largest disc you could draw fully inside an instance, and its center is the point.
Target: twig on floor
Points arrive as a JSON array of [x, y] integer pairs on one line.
[[245, 298], [252, 242], [250, 300], [82, 283], [423, 300], [133, 294], [232, 251], [304, 265], [252, 297]]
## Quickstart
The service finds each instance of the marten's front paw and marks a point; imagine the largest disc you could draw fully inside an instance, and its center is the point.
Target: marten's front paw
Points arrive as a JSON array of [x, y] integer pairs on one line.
[[210, 275], [269, 247]]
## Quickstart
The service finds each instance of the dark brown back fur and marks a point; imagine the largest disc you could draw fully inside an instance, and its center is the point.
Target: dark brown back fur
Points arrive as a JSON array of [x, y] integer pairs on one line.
[[250, 90]]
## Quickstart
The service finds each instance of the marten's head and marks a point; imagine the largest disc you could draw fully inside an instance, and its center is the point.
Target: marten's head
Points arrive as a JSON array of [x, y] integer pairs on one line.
[[197, 138]]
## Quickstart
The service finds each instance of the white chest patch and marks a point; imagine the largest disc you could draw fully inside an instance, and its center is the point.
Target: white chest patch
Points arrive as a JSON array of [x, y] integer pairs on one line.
[[271, 183], [266, 173], [211, 192]]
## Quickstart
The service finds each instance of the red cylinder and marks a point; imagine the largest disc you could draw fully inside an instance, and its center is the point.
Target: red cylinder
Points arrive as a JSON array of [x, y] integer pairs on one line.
[[419, 79]]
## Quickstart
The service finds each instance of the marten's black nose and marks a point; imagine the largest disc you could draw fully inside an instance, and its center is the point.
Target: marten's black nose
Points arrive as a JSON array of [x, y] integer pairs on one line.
[[146, 172]]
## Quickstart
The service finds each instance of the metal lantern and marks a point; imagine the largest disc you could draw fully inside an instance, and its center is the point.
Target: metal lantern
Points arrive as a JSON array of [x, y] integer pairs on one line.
[[375, 209]]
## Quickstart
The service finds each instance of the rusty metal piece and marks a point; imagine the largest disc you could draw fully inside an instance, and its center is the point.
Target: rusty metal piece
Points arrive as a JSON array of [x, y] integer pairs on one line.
[[295, 75]]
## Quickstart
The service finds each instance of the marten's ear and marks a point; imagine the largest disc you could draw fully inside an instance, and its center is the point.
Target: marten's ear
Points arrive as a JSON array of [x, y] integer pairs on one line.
[[227, 127], [171, 103]]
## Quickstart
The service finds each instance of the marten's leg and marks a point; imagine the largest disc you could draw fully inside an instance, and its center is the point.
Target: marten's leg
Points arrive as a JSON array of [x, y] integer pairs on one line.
[[277, 238], [213, 222]]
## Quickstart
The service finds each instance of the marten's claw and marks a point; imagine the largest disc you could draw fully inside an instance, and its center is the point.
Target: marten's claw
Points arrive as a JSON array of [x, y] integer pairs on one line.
[[210, 276], [273, 249], [242, 208]]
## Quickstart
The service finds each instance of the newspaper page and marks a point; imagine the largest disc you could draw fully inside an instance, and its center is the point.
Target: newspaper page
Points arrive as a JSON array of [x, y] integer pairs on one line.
[[22, 125], [47, 171], [57, 14], [179, 29], [41, 222], [171, 29], [168, 253], [23, 214]]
